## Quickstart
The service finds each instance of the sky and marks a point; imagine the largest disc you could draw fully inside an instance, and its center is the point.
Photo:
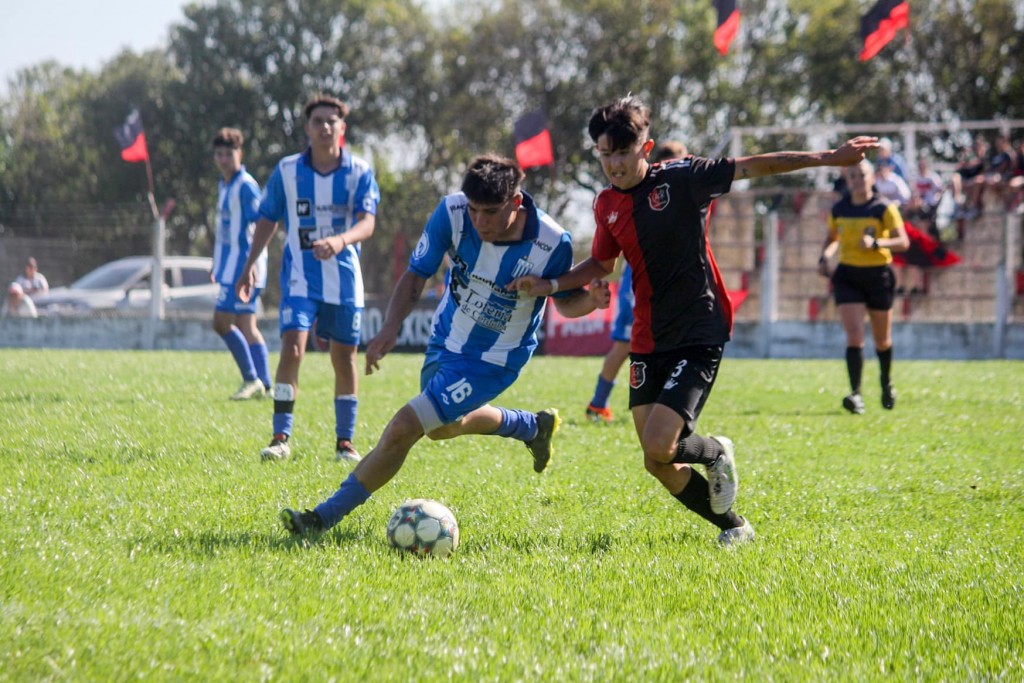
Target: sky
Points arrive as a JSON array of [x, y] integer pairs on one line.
[[83, 34]]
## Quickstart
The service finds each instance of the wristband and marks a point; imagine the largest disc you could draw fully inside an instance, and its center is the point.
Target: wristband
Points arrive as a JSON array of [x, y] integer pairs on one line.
[[344, 242], [874, 244], [554, 285], [822, 259]]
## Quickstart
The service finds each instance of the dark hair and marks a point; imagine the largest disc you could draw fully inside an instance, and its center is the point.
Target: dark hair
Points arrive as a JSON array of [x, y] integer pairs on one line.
[[492, 179], [324, 100], [229, 137], [624, 121], [668, 150]]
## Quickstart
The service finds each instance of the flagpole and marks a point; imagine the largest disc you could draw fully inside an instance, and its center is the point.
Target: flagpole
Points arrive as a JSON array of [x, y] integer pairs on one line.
[[156, 307]]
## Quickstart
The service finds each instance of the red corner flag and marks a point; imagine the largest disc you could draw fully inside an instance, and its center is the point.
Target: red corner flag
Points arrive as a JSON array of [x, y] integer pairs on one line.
[[132, 139], [533, 140], [728, 23], [880, 24]]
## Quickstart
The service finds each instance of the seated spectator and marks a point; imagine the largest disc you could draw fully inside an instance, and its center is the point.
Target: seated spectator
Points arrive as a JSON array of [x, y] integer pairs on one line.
[[925, 195], [19, 294], [999, 167], [886, 153], [891, 186], [1016, 200], [969, 179]]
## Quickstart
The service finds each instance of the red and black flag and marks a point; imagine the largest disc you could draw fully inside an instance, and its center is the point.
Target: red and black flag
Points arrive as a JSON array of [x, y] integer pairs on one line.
[[533, 140], [728, 23], [880, 24], [132, 138]]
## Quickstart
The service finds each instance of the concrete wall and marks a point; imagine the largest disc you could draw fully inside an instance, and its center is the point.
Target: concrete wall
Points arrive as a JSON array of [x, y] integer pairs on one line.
[[788, 339]]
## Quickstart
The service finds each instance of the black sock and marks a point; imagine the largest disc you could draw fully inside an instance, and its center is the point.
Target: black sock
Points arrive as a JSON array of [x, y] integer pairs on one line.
[[695, 496], [885, 366], [854, 366], [697, 449]]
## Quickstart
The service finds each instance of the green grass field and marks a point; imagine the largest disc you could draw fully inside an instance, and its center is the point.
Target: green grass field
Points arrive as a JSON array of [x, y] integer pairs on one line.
[[141, 537]]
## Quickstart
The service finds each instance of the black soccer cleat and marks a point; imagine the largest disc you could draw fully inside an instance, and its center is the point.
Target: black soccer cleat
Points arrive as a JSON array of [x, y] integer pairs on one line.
[[854, 403], [540, 447], [888, 397], [300, 523]]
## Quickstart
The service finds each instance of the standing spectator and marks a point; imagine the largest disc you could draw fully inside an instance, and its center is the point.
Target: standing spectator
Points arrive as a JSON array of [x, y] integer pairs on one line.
[[484, 331], [327, 199], [656, 216], [926, 193], [598, 410], [865, 229], [238, 203]]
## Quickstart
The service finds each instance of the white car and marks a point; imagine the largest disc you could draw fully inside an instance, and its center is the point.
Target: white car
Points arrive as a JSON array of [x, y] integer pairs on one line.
[[123, 287]]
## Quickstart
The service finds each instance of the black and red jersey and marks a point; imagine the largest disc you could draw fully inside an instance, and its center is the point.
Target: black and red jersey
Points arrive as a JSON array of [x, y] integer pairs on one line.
[[660, 226]]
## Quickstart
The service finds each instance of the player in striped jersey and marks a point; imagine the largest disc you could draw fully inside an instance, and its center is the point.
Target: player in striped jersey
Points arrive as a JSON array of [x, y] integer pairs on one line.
[[238, 201], [327, 199], [656, 217], [483, 333]]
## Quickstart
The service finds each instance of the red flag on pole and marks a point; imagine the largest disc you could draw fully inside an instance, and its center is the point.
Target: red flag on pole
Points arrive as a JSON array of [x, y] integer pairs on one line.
[[533, 140], [132, 138], [728, 24], [880, 24]]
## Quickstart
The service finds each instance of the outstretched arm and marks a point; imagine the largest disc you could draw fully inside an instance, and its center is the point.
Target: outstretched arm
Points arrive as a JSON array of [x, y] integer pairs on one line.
[[582, 273], [773, 163], [403, 300]]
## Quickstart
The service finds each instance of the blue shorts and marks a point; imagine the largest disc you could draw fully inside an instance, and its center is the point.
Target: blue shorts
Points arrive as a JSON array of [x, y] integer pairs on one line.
[[453, 386], [228, 302], [339, 323], [624, 318]]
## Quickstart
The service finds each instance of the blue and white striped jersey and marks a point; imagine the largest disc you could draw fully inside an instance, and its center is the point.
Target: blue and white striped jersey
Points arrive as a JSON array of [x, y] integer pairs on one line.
[[314, 206], [238, 204], [477, 316]]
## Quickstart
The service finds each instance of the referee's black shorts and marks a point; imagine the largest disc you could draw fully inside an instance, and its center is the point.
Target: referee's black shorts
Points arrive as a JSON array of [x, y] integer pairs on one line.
[[874, 286]]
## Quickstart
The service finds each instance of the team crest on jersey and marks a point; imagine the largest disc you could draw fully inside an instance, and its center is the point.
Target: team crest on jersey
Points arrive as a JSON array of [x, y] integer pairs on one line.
[[522, 267], [303, 207], [421, 247], [612, 217], [637, 374], [659, 198]]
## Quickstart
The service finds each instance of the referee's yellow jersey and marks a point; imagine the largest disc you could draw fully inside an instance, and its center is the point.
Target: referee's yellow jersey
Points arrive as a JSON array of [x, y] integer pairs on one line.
[[849, 222]]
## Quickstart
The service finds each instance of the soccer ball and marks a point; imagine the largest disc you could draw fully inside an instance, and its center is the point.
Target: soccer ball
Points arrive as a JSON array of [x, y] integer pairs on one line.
[[424, 527]]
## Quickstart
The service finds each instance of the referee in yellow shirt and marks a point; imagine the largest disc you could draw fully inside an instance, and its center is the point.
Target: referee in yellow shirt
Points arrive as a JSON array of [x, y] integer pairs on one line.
[[865, 229]]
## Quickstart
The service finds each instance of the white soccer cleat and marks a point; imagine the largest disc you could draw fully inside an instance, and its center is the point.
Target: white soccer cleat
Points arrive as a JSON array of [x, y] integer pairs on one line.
[[722, 478], [277, 450], [253, 389], [730, 538], [346, 452]]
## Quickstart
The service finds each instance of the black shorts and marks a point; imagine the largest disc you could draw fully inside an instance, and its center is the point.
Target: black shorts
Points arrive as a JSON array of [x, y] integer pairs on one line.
[[874, 286], [679, 379]]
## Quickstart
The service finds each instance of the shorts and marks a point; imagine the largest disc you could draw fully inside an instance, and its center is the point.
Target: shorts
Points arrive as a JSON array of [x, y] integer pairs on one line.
[[338, 322], [680, 379], [623, 327], [874, 286], [228, 301], [454, 386]]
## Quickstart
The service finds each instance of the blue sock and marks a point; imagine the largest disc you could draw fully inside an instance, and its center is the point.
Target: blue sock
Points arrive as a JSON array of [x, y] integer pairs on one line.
[[240, 350], [261, 361], [517, 424], [601, 392], [345, 408], [283, 423], [350, 495]]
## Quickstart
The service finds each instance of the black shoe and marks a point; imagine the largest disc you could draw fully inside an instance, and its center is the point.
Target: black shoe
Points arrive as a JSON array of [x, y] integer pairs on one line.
[[547, 424], [888, 397], [299, 523], [854, 403]]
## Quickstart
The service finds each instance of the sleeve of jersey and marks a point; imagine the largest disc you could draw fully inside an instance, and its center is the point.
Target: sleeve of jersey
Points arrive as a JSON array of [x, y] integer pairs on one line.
[[892, 222], [368, 194], [560, 263], [604, 247], [272, 201], [433, 243], [710, 178], [250, 200]]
